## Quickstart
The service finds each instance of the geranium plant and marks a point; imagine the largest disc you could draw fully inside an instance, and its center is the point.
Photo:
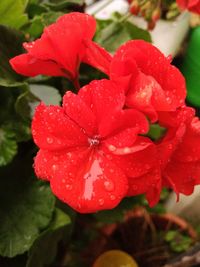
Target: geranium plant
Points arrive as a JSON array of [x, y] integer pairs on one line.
[[93, 122], [96, 149]]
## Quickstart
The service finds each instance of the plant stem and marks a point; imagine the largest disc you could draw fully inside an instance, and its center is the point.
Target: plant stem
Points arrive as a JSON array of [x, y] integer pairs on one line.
[[76, 83]]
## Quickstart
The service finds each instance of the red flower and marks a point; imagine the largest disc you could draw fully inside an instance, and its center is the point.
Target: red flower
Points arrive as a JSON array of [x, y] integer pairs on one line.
[[151, 83], [191, 5], [83, 145], [180, 150], [61, 49]]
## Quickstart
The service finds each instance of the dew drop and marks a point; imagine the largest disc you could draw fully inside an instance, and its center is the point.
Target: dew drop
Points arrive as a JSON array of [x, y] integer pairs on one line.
[[63, 181], [101, 201], [54, 167], [112, 197], [112, 148], [170, 146], [68, 186], [49, 140], [109, 185]]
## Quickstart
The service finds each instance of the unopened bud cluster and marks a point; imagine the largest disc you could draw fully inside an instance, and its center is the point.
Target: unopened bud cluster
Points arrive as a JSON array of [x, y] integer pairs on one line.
[[153, 10]]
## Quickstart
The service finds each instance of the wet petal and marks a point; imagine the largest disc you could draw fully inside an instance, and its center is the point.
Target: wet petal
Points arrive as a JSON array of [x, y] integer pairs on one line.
[[170, 144], [118, 121], [139, 162], [53, 130], [153, 63], [97, 56], [189, 148], [86, 22], [62, 42], [47, 163], [96, 183], [27, 65], [54, 43], [140, 144], [175, 118], [79, 112], [182, 176], [147, 95], [103, 97], [149, 184]]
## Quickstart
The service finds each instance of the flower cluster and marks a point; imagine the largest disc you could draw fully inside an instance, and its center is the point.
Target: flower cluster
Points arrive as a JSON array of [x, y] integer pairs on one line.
[[96, 149], [152, 11]]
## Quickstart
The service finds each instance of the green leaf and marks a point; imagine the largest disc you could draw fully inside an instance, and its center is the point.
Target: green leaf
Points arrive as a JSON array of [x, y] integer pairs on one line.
[[44, 249], [137, 33], [26, 208], [10, 46], [38, 23], [27, 102], [48, 94], [25, 105], [12, 13], [114, 34], [8, 146], [178, 241], [63, 4]]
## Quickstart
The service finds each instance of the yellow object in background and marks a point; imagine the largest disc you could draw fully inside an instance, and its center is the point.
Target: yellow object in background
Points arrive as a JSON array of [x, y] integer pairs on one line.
[[115, 258]]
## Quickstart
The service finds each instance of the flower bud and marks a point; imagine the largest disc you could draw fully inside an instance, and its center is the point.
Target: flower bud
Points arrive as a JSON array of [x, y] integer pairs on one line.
[[134, 7], [156, 14]]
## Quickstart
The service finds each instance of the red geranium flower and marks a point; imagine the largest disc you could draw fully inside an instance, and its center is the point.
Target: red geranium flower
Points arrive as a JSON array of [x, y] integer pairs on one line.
[[82, 146], [151, 83], [191, 5], [61, 49], [180, 150]]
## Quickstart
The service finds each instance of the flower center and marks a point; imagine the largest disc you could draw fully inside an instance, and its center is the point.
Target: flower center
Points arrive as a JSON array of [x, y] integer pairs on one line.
[[94, 141]]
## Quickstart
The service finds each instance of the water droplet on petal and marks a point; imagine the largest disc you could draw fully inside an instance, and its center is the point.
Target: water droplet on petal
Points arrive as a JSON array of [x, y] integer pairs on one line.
[[112, 148], [54, 167], [109, 185], [101, 201], [68, 186], [49, 140], [112, 197], [63, 181]]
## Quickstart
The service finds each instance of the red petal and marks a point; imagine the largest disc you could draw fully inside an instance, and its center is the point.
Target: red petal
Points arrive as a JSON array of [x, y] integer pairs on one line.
[[124, 139], [140, 161], [97, 56], [46, 163], [140, 144], [189, 148], [86, 22], [152, 62], [54, 45], [118, 121], [80, 113], [89, 182], [175, 118], [53, 130], [29, 66], [103, 97], [169, 144], [149, 184], [147, 95], [183, 176], [192, 5]]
